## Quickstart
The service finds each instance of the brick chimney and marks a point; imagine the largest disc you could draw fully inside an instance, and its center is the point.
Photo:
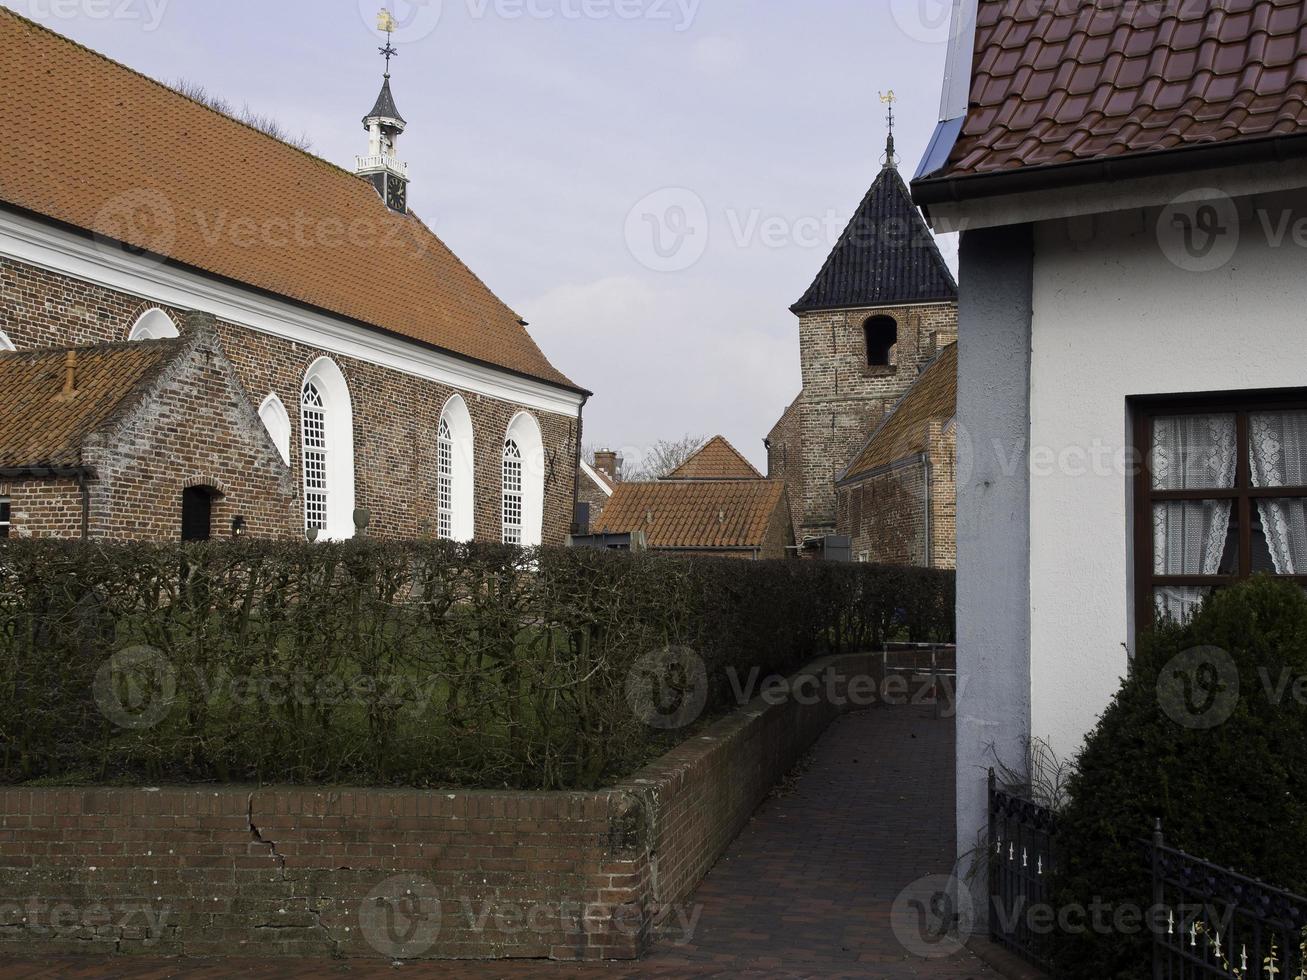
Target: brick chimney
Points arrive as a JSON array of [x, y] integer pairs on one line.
[[607, 463]]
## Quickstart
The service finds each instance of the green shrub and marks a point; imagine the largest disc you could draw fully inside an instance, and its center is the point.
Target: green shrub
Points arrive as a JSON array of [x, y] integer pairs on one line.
[[1234, 793], [395, 664]]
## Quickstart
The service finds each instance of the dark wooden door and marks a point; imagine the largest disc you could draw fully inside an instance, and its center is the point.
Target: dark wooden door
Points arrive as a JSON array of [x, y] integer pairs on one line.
[[197, 514]]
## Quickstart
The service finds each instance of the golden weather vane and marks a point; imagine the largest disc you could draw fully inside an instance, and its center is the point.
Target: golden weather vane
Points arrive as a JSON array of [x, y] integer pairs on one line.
[[888, 99], [386, 22]]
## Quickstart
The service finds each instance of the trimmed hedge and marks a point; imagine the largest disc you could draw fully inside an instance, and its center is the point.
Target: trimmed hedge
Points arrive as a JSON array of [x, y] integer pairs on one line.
[[398, 664], [1234, 793]]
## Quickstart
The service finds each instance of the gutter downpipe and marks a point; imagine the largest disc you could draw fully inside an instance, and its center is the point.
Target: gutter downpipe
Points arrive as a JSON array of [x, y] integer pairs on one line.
[[576, 468], [925, 462]]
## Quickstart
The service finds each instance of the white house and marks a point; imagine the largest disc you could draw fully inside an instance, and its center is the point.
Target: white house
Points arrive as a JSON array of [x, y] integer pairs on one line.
[[1131, 185]]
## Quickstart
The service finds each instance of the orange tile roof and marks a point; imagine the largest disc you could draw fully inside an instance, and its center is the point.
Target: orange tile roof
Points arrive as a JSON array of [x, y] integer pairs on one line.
[[40, 427], [716, 459], [100, 147], [932, 397], [684, 515]]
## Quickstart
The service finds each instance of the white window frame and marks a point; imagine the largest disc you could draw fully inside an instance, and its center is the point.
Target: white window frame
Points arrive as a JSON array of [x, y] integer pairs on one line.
[[512, 497], [325, 377], [6, 525], [524, 433], [153, 324], [275, 418], [460, 518]]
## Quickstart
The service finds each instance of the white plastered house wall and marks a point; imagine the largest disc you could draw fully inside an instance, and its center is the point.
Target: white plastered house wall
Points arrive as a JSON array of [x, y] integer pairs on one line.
[[1120, 313]]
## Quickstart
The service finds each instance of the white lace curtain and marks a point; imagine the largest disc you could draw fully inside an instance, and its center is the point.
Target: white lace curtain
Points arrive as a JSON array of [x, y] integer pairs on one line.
[[1191, 452], [1278, 451]]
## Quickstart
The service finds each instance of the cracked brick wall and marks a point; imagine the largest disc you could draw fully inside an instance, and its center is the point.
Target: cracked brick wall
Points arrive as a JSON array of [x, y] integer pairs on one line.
[[412, 874]]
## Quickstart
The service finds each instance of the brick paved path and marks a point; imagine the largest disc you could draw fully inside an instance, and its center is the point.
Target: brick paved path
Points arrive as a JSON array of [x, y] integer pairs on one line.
[[805, 891]]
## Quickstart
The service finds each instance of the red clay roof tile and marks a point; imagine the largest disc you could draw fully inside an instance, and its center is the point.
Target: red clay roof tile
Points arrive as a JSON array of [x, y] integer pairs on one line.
[[708, 514], [41, 426], [1095, 81], [228, 200], [716, 459]]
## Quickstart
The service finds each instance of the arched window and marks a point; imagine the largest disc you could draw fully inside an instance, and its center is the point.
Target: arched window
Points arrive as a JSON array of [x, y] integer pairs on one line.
[[277, 422], [454, 473], [5, 342], [512, 493], [327, 447], [882, 335], [153, 325], [523, 482]]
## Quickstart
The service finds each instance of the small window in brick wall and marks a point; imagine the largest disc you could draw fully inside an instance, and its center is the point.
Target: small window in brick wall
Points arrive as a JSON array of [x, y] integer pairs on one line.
[[5, 522], [882, 335]]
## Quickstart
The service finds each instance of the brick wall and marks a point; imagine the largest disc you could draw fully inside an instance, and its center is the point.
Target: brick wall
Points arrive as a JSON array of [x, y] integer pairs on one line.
[[396, 415], [885, 514], [394, 874], [195, 427], [785, 457], [844, 398], [44, 508]]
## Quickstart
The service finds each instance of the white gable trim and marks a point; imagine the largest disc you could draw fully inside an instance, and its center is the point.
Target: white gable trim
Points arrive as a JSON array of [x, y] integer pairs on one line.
[[595, 478], [104, 264]]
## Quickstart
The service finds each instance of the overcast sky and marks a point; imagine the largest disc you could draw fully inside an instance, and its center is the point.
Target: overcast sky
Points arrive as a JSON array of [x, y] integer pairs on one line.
[[651, 183]]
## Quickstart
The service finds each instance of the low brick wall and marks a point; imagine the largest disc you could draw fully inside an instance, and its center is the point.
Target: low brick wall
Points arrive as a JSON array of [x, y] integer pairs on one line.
[[399, 874]]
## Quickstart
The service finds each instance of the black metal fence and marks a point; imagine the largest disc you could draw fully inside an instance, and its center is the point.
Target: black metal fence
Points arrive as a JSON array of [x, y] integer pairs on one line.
[[1212, 922], [1022, 859]]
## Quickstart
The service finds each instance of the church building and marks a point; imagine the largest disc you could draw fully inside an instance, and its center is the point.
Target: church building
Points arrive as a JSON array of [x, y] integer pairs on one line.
[[212, 332], [881, 310]]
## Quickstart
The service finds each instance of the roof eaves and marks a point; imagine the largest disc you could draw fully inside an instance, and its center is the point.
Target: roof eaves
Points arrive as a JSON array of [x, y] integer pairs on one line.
[[170, 262], [947, 189]]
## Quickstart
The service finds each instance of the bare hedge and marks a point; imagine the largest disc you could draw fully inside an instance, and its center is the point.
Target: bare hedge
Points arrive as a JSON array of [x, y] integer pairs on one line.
[[402, 664]]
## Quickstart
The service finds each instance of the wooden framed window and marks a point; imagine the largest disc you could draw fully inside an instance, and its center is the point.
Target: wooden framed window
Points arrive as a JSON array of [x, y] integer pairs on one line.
[[1221, 495]]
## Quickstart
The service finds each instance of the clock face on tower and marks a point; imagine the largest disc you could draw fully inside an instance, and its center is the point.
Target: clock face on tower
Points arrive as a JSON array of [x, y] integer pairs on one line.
[[396, 193]]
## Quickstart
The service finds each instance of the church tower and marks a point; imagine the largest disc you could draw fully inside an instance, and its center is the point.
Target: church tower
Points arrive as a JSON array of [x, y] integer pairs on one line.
[[382, 165], [882, 306]]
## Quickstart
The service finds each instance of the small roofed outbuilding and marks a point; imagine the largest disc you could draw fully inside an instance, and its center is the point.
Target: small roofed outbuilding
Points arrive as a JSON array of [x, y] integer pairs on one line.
[[92, 437], [748, 518], [897, 499]]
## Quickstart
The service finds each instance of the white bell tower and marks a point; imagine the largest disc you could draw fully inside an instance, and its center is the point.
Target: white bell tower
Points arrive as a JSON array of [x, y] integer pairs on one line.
[[382, 165]]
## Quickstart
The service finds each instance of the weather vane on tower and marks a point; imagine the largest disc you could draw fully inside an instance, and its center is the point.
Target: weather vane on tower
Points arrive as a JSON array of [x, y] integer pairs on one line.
[[386, 22], [888, 99]]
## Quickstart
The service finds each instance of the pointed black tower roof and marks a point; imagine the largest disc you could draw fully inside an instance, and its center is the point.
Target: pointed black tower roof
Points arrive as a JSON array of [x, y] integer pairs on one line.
[[385, 107], [886, 256]]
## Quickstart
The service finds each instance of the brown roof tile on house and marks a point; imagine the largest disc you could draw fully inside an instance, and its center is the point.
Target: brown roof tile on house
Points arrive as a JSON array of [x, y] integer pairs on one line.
[[716, 459], [42, 426], [1069, 83], [905, 432], [706, 515], [95, 145]]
